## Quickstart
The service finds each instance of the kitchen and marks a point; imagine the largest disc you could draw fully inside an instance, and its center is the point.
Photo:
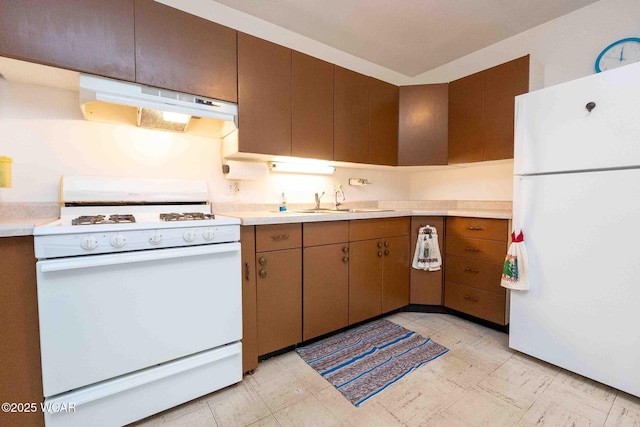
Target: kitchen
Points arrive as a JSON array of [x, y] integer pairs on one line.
[[58, 142]]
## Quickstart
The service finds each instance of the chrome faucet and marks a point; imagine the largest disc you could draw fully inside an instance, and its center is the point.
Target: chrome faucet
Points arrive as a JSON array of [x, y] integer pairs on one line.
[[318, 197], [337, 190]]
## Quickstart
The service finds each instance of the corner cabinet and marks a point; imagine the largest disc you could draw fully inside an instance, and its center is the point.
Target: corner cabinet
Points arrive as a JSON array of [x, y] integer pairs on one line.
[[90, 36], [423, 131], [183, 52], [279, 286], [264, 97], [20, 370], [475, 251], [378, 267], [426, 286], [481, 112]]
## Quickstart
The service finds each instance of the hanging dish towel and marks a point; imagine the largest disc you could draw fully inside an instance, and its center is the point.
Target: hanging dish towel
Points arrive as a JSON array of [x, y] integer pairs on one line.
[[427, 255], [516, 264], [514, 273]]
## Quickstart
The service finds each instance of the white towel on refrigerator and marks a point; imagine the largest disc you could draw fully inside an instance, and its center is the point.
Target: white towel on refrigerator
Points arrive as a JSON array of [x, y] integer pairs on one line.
[[427, 254]]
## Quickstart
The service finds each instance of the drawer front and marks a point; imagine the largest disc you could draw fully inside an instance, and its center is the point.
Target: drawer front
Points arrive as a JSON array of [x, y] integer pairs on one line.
[[365, 229], [474, 273], [478, 228], [485, 250], [325, 233], [476, 302], [278, 236]]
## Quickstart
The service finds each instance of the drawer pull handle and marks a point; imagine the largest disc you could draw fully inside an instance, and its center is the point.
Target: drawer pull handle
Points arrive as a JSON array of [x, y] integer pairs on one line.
[[262, 261], [246, 271], [468, 249], [280, 237], [379, 244], [386, 252], [263, 273], [386, 244], [471, 270], [472, 228], [345, 249], [345, 259], [470, 298], [379, 253]]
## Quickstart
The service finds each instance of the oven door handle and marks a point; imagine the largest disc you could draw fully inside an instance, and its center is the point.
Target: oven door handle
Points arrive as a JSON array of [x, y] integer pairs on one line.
[[131, 257]]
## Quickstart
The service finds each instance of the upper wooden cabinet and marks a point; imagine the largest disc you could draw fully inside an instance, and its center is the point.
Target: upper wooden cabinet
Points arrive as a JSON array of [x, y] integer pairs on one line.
[[481, 112], [182, 52], [264, 97], [90, 36], [423, 133], [312, 107], [351, 116], [383, 123]]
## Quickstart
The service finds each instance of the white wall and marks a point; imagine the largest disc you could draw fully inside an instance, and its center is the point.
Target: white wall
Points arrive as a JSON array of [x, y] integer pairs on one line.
[[42, 129], [566, 48]]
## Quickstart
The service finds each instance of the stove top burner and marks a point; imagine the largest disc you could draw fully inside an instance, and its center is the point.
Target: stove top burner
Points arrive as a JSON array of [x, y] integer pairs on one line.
[[102, 219], [187, 216]]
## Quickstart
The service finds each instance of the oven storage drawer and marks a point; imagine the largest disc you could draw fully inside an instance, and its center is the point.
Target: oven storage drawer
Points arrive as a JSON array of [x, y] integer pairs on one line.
[[104, 316], [153, 390]]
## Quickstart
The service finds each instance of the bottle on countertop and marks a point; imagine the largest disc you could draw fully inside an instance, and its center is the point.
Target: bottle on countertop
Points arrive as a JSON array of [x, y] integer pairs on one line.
[[283, 203]]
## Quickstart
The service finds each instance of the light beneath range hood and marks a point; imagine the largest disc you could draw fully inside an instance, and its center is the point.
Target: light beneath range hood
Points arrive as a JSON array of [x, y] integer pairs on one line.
[[114, 101]]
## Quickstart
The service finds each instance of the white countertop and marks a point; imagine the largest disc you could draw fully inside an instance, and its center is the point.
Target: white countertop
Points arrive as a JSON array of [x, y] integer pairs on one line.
[[12, 227], [268, 217]]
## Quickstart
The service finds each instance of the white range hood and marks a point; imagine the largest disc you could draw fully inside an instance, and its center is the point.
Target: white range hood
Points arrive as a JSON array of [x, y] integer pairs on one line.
[[114, 101]]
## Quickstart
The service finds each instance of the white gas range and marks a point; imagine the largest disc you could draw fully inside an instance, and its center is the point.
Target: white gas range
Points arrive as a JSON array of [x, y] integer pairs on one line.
[[139, 297]]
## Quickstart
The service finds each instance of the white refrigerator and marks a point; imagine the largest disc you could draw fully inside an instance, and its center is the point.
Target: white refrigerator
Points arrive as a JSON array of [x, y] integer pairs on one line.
[[577, 197]]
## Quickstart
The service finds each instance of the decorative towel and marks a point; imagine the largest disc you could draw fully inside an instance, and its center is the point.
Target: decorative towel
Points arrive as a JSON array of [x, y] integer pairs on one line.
[[514, 273], [427, 255]]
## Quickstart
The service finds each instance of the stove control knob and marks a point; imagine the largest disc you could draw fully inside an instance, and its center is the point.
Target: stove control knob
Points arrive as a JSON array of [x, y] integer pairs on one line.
[[155, 238], [118, 240], [208, 234], [189, 236], [89, 242]]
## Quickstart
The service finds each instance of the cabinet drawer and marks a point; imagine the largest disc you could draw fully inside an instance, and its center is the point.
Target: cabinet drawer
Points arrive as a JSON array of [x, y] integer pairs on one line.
[[474, 273], [364, 229], [485, 250], [478, 228], [325, 233], [476, 302], [278, 236]]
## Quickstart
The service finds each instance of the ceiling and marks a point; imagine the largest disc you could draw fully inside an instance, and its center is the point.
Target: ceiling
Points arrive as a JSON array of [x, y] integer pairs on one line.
[[407, 36]]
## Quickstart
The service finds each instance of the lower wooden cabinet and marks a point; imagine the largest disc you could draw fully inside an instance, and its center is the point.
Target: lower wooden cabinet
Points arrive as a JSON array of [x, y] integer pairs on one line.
[[475, 252], [279, 285], [249, 299], [379, 267], [426, 286], [20, 371]]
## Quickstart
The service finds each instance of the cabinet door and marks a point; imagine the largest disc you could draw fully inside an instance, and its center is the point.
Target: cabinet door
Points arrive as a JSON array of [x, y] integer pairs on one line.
[[426, 286], [249, 298], [424, 118], [365, 280], [395, 273], [312, 107], [279, 284], [350, 116], [20, 372], [501, 85], [465, 119], [264, 96], [182, 52], [325, 303], [91, 36], [383, 123]]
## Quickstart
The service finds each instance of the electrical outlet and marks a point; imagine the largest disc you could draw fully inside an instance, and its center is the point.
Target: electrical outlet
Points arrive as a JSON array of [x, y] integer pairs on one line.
[[233, 188]]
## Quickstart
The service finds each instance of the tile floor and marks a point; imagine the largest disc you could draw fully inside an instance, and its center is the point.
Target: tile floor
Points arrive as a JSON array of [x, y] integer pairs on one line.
[[480, 382]]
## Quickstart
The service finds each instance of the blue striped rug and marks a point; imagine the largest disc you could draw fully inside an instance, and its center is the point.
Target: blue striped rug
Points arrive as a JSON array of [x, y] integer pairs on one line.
[[363, 361]]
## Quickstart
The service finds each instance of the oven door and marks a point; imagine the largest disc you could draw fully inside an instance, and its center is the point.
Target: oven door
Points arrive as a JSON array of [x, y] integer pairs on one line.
[[106, 315]]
